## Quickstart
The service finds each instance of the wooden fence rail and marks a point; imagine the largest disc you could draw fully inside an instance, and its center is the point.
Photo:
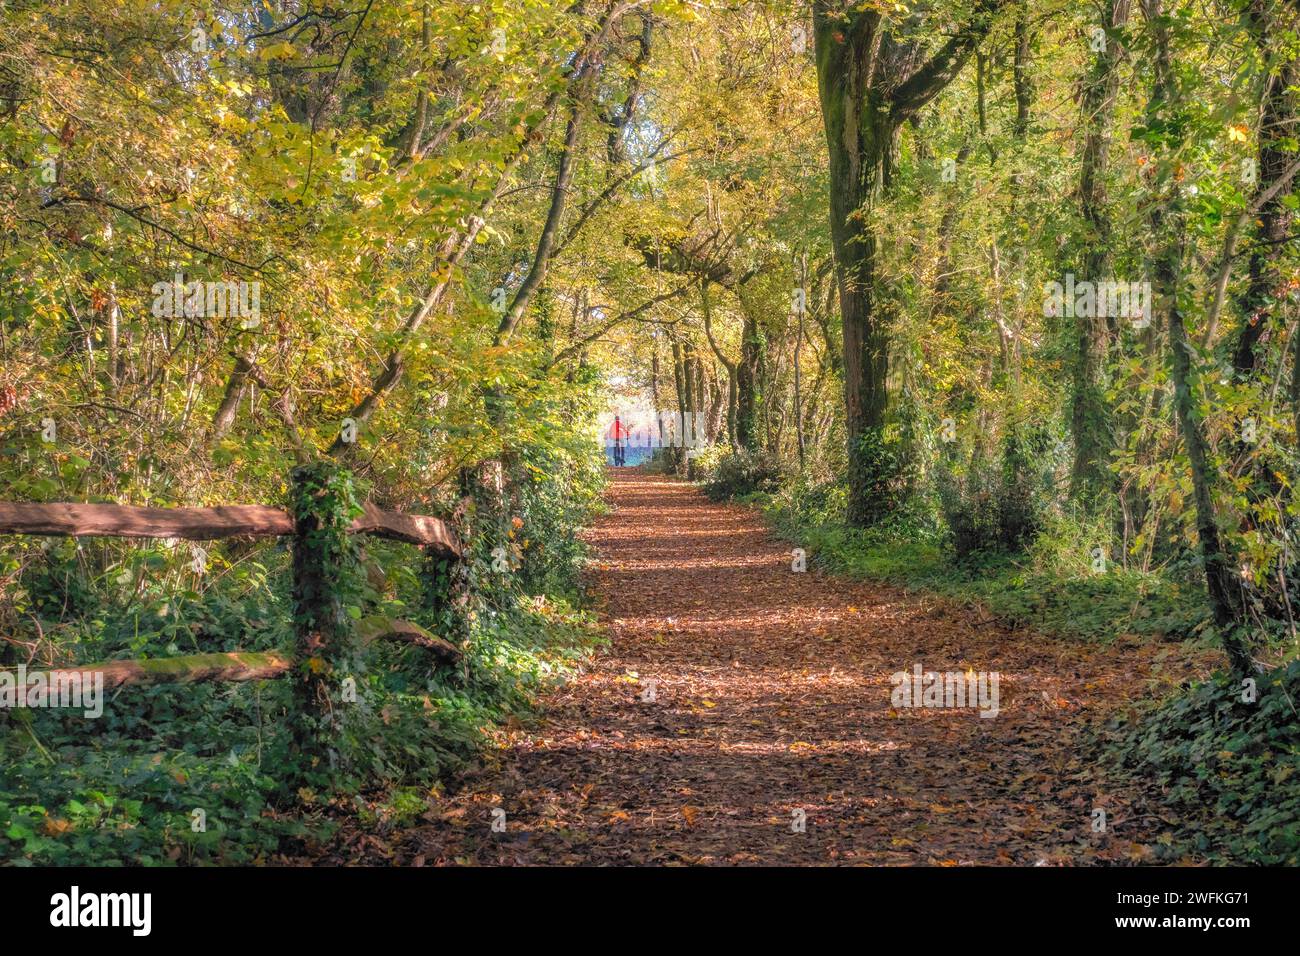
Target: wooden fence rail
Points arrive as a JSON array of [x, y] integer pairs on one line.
[[189, 669], [72, 519], [201, 524]]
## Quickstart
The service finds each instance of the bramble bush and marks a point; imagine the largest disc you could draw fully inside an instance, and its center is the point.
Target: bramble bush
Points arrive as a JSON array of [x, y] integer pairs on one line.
[[991, 505], [728, 473]]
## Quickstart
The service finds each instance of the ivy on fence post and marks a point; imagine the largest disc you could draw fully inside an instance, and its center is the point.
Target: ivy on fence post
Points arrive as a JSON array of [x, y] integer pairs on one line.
[[484, 520], [325, 566], [448, 584]]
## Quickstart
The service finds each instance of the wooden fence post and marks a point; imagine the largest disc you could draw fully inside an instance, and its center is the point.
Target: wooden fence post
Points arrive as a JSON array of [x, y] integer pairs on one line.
[[448, 589], [325, 566]]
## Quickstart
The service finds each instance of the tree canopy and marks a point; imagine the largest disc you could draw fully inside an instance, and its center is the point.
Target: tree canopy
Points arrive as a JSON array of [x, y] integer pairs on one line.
[[1010, 280]]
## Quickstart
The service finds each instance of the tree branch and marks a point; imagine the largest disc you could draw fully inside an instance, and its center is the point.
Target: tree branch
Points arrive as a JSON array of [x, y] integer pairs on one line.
[[930, 79]]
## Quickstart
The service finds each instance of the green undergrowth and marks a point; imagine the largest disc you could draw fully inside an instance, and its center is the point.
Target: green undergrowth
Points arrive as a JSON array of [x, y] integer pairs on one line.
[[1221, 766], [199, 773], [124, 789], [1050, 586]]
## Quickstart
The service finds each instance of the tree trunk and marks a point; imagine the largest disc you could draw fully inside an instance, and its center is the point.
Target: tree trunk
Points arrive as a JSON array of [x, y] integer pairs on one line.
[[733, 397], [1167, 225], [869, 84], [861, 139], [1090, 476], [1277, 128], [226, 411], [1021, 79], [717, 406], [747, 384], [798, 346], [550, 230]]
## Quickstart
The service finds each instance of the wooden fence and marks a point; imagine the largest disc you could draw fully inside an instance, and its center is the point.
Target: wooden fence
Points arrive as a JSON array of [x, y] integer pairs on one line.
[[228, 521]]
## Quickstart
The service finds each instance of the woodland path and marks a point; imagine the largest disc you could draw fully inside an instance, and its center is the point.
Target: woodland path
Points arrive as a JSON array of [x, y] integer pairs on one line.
[[772, 695]]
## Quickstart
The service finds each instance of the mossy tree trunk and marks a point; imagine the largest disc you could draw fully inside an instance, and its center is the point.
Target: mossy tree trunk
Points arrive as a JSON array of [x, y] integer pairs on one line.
[[1279, 124], [1167, 220], [871, 80], [1090, 422], [751, 346]]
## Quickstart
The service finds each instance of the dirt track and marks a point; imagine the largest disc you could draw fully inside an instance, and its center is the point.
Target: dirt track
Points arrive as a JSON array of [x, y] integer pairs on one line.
[[772, 696]]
